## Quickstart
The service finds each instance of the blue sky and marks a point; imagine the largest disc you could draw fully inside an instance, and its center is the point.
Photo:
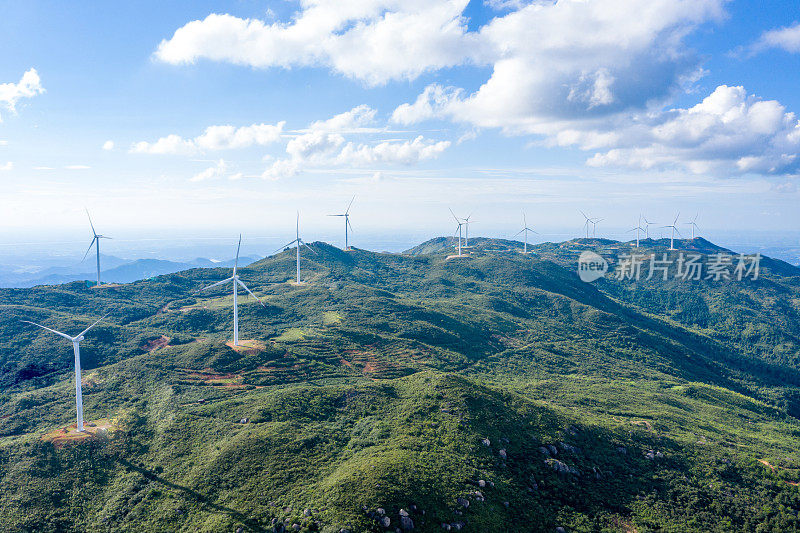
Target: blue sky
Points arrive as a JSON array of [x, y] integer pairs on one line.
[[610, 106]]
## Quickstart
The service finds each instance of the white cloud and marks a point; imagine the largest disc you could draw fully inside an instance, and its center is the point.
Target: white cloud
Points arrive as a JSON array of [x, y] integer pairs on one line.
[[392, 152], [371, 40], [219, 170], [29, 86], [171, 144], [787, 39], [3, 142], [281, 168], [108, 145], [324, 145], [728, 132], [213, 138], [313, 146], [7, 166], [353, 121]]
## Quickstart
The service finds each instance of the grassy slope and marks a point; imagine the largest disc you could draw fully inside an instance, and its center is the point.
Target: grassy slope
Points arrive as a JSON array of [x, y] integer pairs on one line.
[[380, 379]]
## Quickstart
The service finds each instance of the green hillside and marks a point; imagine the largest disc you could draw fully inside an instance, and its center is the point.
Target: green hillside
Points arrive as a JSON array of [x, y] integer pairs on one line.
[[496, 392]]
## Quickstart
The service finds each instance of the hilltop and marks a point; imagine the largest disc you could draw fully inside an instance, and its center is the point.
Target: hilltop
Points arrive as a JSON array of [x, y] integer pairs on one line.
[[497, 392]]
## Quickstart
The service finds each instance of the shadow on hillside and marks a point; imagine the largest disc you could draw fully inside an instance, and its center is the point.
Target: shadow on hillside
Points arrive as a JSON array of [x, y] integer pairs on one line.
[[248, 524]]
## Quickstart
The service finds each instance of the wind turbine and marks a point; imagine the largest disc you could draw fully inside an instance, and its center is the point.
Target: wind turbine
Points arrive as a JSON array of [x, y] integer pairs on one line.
[[592, 221], [346, 216], [647, 225], [693, 224], [458, 230], [466, 231], [299, 242], [674, 227], [96, 243], [637, 229], [525, 229], [236, 282], [76, 340]]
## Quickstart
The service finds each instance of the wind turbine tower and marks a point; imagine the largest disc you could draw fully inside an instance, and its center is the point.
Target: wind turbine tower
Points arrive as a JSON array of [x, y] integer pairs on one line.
[[637, 229], [236, 282], [347, 225], [525, 229], [299, 242], [96, 243], [458, 230], [674, 227], [76, 341]]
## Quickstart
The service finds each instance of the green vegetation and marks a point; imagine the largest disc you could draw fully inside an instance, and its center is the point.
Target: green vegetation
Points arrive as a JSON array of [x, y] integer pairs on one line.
[[495, 393]]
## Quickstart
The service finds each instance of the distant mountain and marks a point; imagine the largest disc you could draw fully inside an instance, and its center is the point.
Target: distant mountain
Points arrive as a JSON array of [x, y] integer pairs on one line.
[[122, 272]]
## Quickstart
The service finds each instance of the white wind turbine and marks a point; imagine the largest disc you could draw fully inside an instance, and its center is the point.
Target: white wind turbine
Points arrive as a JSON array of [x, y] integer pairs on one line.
[[299, 242], [525, 229], [674, 227], [77, 349], [96, 243], [647, 225], [592, 221], [236, 282], [458, 230], [693, 224], [637, 229], [466, 231], [347, 224]]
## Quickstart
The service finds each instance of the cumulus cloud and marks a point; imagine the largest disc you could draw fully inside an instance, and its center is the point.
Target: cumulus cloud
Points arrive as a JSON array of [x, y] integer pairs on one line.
[[391, 152], [728, 132], [354, 121], [108, 145], [281, 168], [324, 143], [28, 86], [218, 170], [213, 138], [371, 40], [787, 39]]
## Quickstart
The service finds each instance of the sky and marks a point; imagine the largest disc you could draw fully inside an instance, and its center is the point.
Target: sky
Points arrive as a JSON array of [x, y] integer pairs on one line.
[[194, 119]]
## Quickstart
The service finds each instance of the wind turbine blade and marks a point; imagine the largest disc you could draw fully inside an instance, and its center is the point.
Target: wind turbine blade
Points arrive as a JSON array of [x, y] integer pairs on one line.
[[676, 218], [524, 220], [532, 231], [349, 224], [89, 249], [307, 246], [677, 231], [90, 222], [520, 231], [48, 329], [350, 205], [454, 216], [282, 248], [336, 215], [584, 214], [93, 325], [236, 262], [216, 284], [240, 282]]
